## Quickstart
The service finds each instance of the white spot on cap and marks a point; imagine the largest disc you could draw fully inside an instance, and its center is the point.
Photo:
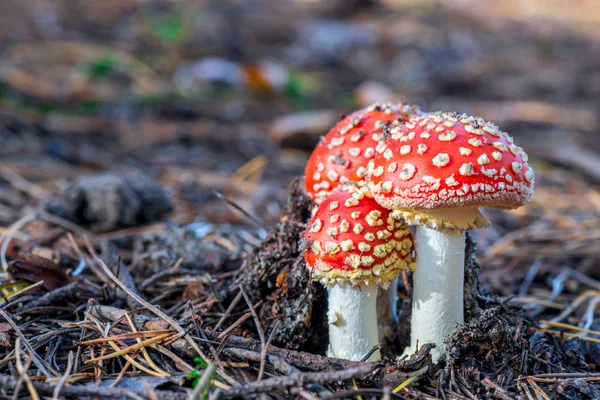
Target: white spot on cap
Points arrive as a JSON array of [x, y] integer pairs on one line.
[[358, 228], [380, 251], [451, 181], [464, 151], [388, 154], [378, 171], [441, 160], [475, 142], [366, 261], [333, 205], [316, 247], [320, 167], [407, 172], [316, 226], [354, 151], [337, 141], [448, 136], [362, 246], [489, 172], [332, 247], [529, 175], [500, 146], [483, 159], [516, 167], [425, 135], [386, 187], [332, 175], [404, 150], [497, 155], [355, 214], [351, 202], [353, 260], [332, 230], [466, 169], [347, 245], [369, 152], [344, 226], [392, 167], [421, 148], [317, 176]]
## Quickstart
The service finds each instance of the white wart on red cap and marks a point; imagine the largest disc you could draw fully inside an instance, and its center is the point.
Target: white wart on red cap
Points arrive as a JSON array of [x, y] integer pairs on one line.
[[343, 154], [353, 239], [442, 161]]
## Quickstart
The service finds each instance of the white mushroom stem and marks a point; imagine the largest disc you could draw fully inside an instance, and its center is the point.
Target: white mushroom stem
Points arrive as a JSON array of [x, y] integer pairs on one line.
[[437, 288], [353, 321], [387, 309]]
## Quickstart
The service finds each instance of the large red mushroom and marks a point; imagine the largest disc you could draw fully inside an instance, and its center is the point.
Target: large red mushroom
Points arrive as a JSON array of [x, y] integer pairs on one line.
[[435, 171]]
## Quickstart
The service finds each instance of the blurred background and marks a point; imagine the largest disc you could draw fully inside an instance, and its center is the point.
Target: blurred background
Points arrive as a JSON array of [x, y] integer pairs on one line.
[[231, 96]]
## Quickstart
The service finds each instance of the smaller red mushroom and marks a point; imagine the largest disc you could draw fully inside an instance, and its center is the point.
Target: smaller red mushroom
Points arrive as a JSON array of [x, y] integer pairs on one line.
[[343, 154], [354, 246]]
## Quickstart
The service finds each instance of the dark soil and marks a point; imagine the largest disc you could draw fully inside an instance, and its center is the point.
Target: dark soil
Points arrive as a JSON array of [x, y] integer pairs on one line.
[[294, 308]]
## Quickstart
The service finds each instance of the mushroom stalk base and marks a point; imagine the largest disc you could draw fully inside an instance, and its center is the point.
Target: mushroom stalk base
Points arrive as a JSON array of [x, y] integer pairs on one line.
[[437, 288], [353, 321], [387, 310]]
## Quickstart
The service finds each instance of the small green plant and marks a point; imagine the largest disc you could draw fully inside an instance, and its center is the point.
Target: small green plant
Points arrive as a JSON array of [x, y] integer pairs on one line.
[[299, 89], [170, 27], [196, 374], [102, 67]]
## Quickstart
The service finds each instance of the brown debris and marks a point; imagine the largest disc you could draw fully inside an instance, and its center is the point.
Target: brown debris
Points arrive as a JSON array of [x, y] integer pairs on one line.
[[275, 273], [34, 269]]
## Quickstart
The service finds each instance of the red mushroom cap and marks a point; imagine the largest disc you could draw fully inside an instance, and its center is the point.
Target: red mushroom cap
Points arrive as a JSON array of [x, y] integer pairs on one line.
[[443, 161], [352, 238], [343, 154]]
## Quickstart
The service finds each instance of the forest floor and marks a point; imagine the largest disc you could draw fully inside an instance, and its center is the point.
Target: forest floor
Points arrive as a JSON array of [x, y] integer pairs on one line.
[[151, 213]]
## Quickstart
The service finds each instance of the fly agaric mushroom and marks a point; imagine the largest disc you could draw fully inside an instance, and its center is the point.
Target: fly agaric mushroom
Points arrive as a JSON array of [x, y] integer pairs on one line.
[[436, 171], [354, 246], [343, 154]]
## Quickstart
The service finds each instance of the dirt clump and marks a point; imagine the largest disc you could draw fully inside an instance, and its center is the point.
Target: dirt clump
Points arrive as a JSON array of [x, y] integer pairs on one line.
[[275, 273], [486, 356], [111, 201]]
